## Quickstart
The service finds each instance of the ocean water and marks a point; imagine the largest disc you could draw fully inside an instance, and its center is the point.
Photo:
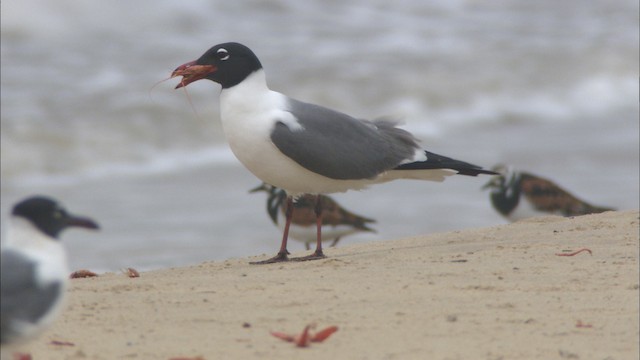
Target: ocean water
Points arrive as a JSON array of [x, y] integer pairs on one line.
[[550, 87]]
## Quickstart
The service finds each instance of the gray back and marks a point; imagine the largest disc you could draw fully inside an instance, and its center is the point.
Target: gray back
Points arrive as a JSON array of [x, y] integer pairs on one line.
[[338, 146]]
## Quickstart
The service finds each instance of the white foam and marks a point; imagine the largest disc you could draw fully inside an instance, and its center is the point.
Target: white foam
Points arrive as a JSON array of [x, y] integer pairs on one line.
[[437, 65], [162, 163]]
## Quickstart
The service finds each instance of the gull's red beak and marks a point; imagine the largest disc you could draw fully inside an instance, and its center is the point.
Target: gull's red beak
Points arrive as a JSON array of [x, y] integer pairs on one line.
[[191, 72]]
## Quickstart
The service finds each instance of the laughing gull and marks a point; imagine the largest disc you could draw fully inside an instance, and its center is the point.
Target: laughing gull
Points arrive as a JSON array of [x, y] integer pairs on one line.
[[305, 148], [519, 195], [34, 267], [336, 220]]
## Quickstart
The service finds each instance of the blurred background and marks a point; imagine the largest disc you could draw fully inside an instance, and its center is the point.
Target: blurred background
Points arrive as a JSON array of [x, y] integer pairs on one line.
[[549, 87]]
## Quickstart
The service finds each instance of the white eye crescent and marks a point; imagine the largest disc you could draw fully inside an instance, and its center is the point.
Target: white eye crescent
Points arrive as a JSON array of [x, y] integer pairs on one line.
[[223, 54]]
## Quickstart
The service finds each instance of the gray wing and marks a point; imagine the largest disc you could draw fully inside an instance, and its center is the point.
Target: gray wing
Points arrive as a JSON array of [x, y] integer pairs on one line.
[[22, 298], [338, 146]]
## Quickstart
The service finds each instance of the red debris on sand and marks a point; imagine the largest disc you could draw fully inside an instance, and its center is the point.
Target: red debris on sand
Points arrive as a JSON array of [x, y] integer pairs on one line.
[[575, 252], [62, 343], [305, 338], [131, 272], [78, 274], [22, 356], [580, 324]]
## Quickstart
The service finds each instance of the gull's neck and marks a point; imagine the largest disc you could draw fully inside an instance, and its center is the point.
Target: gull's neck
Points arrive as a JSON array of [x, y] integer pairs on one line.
[[250, 90]]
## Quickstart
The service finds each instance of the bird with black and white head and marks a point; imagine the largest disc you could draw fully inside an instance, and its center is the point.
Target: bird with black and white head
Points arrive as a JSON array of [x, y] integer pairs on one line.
[[305, 148], [34, 270], [518, 195], [337, 222]]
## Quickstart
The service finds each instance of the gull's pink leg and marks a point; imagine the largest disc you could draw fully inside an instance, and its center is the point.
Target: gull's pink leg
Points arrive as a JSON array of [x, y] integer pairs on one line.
[[318, 254], [282, 254]]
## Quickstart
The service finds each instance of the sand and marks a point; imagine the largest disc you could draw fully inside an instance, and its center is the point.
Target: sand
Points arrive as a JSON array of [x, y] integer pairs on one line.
[[491, 293]]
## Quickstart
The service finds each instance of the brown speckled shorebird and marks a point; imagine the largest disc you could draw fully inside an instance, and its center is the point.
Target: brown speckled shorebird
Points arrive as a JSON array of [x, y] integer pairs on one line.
[[337, 221], [518, 195]]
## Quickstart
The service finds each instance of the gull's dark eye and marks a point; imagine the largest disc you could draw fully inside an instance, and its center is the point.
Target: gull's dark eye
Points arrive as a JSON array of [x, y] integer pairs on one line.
[[222, 54]]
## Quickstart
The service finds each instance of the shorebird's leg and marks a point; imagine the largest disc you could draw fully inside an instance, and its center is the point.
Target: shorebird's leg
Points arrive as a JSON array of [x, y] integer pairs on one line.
[[282, 254], [318, 254], [335, 241]]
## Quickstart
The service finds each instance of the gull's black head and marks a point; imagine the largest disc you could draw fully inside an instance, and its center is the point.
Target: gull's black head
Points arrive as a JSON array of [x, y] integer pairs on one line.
[[49, 216], [227, 64]]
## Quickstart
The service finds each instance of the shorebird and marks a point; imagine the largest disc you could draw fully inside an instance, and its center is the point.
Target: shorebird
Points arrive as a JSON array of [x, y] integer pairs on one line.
[[518, 195], [305, 148], [34, 270], [336, 220]]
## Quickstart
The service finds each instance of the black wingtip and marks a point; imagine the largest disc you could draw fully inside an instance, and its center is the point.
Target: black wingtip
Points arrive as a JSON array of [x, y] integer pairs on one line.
[[435, 161], [476, 172]]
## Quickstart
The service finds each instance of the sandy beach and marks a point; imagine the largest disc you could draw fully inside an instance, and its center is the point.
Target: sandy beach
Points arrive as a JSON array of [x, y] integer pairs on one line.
[[548, 87], [493, 293]]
